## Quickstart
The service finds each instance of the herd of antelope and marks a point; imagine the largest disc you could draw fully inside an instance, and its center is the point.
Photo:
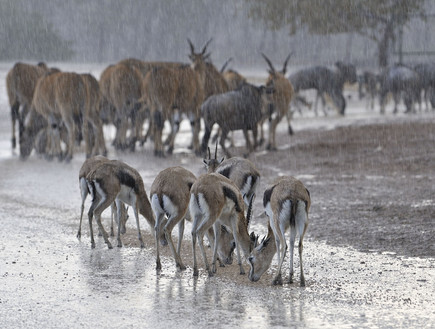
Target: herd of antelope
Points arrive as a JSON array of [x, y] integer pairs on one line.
[[52, 107], [55, 108], [218, 204]]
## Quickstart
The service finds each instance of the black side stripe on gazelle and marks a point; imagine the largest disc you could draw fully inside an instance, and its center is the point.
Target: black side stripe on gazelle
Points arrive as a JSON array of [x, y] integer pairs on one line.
[[229, 193], [225, 171], [267, 194], [126, 179]]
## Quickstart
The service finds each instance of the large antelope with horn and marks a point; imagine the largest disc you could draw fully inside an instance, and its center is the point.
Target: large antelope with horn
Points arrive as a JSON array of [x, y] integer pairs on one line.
[[215, 201], [287, 203], [87, 167], [20, 85], [212, 80], [115, 181], [279, 100]]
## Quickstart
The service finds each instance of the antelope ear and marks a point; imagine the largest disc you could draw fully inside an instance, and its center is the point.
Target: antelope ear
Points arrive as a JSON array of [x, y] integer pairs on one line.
[[265, 243], [254, 239]]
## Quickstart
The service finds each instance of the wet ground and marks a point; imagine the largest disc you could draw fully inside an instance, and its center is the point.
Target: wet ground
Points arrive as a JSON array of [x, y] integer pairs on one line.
[[369, 254]]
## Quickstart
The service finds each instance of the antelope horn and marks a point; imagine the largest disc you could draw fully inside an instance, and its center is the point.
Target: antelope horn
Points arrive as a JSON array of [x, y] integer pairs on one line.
[[205, 47], [192, 47], [225, 64], [284, 68], [269, 63], [249, 212]]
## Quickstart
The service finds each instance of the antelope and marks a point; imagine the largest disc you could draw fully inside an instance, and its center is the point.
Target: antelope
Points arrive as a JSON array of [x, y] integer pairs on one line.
[[240, 171], [59, 99], [92, 117], [88, 166], [170, 195], [165, 89], [286, 202], [234, 79], [240, 109], [115, 181], [20, 84], [123, 91], [212, 80], [279, 100], [144, 67], [326, 81], [215, 201]]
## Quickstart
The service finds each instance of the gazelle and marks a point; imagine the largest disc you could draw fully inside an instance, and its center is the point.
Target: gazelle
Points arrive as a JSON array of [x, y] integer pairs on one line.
[[88, 166], [216, 201], [115, 181], [240, 171], [170, 195], [286, 202]]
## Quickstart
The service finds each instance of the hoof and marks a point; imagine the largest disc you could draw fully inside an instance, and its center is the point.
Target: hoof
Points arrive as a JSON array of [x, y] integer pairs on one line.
[[277, 281], [195, 272], [181, 267]]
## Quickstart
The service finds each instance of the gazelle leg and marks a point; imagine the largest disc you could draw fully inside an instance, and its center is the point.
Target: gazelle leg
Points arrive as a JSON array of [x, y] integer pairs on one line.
[[292, 247], [172, 221], [139, 235], [159, 219], [236, 239]]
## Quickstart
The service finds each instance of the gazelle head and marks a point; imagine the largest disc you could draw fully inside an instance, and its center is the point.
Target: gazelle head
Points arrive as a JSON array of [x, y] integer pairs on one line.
[[212, 164], [226, 246], [261, 256]]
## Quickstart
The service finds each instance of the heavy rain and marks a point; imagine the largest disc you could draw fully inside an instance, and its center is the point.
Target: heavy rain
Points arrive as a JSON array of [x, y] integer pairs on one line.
[[351, 85]]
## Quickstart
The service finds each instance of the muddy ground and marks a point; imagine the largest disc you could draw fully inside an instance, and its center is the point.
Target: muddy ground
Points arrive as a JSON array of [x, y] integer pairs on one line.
[[369, 254]]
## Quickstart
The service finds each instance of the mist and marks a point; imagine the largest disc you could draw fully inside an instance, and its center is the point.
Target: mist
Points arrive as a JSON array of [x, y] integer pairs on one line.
[[101, 31]]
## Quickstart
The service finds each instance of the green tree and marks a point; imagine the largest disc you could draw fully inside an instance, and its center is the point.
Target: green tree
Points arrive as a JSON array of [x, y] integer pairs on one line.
[[379, 20]]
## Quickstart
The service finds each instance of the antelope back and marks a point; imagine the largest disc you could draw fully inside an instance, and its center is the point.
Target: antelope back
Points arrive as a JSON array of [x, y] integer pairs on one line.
[[175, 183], [125, 87]]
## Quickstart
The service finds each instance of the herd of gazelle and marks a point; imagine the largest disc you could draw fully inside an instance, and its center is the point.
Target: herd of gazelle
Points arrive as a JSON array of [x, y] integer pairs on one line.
[[66, 106], [218, 203]]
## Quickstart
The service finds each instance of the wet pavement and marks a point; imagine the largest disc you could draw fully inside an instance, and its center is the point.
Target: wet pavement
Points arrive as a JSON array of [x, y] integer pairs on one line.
[[50, 279]]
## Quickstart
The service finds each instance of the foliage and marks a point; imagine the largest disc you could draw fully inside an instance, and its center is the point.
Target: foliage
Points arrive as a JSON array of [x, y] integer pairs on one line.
[[379, 20]]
